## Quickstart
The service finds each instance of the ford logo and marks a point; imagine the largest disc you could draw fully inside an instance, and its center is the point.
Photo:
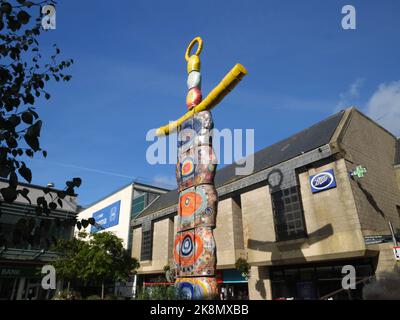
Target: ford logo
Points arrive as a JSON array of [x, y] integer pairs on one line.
[[322, 180]]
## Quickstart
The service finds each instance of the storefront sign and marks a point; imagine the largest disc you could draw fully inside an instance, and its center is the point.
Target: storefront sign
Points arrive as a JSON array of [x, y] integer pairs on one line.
[[376, 239], [15, 272], [106, 217], [323, 181], [396, 251]]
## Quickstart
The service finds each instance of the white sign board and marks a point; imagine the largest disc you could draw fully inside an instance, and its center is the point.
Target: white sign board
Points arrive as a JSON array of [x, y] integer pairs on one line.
[[396, 251]]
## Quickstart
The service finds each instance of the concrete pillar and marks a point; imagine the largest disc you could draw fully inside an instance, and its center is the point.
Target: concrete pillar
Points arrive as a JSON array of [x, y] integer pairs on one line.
[[21, 288], [259, 283], [386, 260]]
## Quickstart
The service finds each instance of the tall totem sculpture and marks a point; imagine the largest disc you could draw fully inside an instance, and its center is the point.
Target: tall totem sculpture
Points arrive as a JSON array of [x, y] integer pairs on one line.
[[194, 247]]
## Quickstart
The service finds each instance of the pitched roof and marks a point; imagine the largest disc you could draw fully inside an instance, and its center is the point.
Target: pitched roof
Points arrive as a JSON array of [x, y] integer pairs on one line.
[[301, 142]]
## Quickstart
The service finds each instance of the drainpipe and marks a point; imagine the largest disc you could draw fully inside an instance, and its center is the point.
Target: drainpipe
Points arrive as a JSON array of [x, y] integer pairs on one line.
[[392, 233]]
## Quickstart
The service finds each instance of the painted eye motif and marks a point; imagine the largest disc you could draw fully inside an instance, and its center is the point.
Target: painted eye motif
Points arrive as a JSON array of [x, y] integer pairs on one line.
[[187, 246], [187, 167]]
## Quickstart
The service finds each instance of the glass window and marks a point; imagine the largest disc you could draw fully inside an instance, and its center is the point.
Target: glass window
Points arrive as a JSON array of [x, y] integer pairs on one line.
[[288, 213], [139, 203], [147, 245], [32, 232], [151, 197], [310, 281], [307, 274], [277, 275]]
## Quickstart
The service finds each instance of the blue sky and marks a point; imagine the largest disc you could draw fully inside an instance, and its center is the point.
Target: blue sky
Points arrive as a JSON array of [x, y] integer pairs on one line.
[[130, 76]]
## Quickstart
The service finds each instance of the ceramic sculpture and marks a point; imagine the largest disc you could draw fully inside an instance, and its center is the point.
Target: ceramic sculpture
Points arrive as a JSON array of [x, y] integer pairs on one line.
[[194, 247]]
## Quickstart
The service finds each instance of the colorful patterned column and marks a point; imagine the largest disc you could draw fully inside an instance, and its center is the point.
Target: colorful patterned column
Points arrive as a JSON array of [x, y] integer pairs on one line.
[[194, 249]]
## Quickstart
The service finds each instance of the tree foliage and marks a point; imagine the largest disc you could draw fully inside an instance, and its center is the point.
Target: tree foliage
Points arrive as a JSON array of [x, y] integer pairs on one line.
[[24, 75], [70, 260], [97, 258], [243, 266]]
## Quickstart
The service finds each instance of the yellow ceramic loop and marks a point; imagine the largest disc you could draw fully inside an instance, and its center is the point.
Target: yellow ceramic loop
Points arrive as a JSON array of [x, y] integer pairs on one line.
[[191, 45], [226, 85]]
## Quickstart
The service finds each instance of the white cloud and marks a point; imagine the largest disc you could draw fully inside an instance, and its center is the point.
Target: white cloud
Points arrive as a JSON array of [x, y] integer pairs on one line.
[[384, 106], [350, 97]]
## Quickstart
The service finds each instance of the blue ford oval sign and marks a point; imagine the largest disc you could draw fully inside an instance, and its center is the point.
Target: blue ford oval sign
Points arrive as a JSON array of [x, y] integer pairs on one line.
[[323, 181]]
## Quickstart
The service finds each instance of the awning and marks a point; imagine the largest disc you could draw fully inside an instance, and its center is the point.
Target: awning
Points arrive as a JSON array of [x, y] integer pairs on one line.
[[232, 276]]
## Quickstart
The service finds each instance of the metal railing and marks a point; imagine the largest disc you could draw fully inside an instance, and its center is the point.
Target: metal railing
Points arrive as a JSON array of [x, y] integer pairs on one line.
[[334, 293]]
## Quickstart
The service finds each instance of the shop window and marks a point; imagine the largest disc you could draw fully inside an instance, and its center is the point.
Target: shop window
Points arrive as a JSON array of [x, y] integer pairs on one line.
[[288, 214], [147, 245], [315, 280]]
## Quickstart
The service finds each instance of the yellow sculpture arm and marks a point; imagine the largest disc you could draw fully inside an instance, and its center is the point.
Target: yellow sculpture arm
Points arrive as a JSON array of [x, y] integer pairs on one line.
[[213, 98]]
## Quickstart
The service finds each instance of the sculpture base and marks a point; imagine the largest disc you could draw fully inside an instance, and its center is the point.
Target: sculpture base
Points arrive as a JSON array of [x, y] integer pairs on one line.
[[197, 288]]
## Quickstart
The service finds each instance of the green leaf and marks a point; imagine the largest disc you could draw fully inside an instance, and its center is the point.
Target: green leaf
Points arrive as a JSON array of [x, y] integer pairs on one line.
[[32, 134], [24, 193], [84, 223], [12, 143], [9, 194], [4, 171], [30, 99], [35, 115], [23, 17], [27, 117], [29, 153], [52, 206], [14, 120], [77, 182], [33, 142], [6, 8], [26, 173], [13, 180]]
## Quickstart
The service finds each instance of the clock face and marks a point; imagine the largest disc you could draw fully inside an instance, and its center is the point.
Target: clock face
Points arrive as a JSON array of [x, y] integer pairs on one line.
[[275, 178]]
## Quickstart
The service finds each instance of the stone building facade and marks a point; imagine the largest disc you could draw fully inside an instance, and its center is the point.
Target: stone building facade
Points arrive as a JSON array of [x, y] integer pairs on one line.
[[299, 217], [27, 240]]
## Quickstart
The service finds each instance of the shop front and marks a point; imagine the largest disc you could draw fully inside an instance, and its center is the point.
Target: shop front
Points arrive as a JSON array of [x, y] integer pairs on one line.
[[232, 284], [313, 281], [21, 282]]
